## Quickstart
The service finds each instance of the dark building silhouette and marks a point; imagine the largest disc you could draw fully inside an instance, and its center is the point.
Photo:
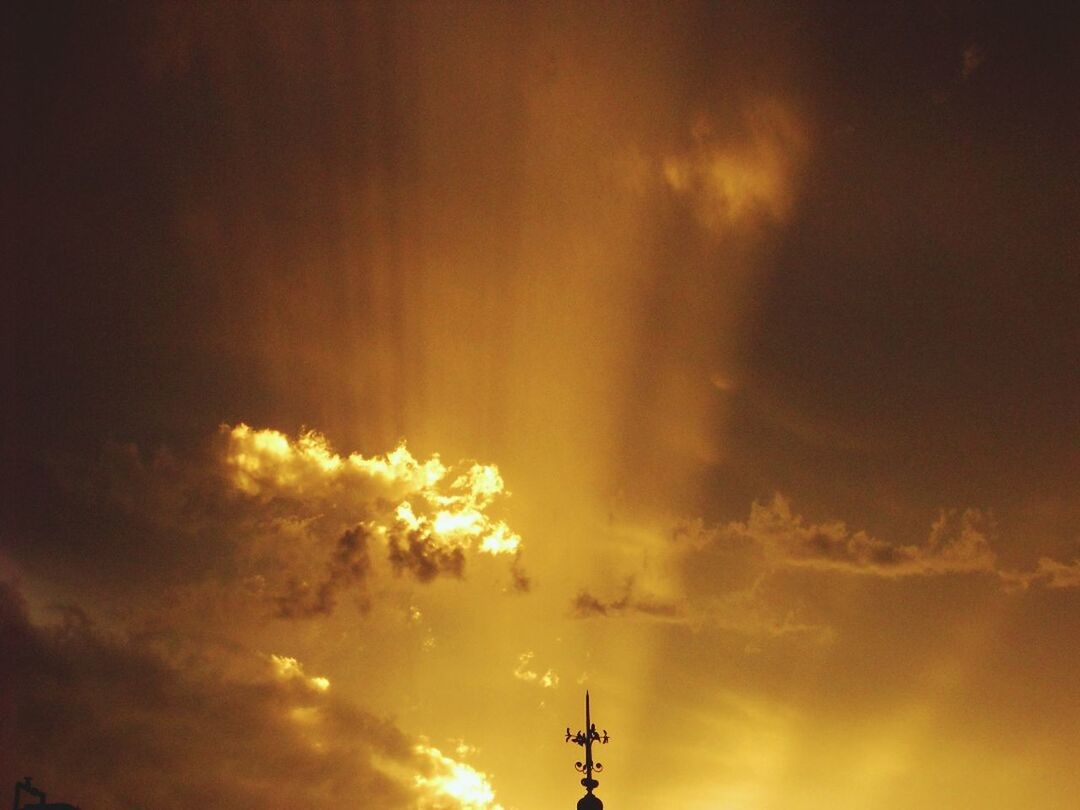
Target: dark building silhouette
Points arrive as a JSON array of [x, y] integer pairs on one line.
[[25, 786]]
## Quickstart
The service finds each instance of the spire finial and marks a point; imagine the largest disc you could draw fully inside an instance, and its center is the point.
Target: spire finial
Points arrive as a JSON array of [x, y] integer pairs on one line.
[[586, 739]]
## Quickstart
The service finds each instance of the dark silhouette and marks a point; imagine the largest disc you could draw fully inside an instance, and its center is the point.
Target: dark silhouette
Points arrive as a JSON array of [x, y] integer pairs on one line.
[[586, 739], [26, 787]]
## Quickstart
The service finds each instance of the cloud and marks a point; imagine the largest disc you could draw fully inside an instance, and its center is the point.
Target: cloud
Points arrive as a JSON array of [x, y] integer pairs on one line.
[[348, 566], [520, 581], [729, 184], [289, 669], [257, 517], [428, 517], [757, 614], [631, 603], [1057, 574], [430, 500], [723, 576], [269, 464], [524, 672], [104, 720], [726, 576], [448, 783], [748, 611], [411, 551], [1048, 572], [957, 544]]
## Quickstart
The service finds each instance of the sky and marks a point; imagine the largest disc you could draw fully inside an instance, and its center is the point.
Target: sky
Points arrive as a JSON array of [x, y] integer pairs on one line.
[[380, 377]]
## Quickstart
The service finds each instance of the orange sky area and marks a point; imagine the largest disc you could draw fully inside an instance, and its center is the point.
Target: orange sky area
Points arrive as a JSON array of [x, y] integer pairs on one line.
[[380, 377]]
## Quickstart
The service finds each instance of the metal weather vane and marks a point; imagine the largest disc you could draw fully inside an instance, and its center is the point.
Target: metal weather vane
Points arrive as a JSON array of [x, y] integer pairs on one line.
[[586, 739]]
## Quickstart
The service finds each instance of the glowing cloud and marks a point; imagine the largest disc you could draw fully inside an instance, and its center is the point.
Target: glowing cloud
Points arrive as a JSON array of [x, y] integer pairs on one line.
[[448, 783], [333, 514], [268, 463], [288, 669], [730, 184], [449, 516], [524, 672]]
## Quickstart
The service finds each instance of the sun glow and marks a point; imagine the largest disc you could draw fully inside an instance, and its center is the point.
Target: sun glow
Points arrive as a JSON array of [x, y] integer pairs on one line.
[[456, 781]]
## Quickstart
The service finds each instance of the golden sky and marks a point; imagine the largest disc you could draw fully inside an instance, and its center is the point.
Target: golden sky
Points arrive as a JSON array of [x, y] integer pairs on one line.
[[380, 377]]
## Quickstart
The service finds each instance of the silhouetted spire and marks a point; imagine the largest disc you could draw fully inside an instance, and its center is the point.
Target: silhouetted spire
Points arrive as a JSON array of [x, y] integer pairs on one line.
[[586, 739]]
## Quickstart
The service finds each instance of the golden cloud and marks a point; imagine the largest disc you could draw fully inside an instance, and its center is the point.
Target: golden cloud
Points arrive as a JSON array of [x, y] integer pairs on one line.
[[524, 672], [447, 783], [426, 517], [287, 668], [446, 510], [730, 184]]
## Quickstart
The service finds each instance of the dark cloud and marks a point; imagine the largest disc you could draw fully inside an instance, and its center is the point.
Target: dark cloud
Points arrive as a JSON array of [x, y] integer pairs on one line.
[[586, 605], [777, 537], [520, 581], [631, 603], [959, 542], [751, 612], [413, 552], [105, 721], [347, 569]]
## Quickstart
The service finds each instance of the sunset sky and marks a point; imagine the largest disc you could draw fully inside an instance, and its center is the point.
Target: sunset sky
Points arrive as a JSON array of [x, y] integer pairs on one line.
[[378, 378]]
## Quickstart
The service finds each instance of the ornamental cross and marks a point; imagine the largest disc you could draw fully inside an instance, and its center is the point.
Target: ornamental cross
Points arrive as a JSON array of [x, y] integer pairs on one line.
[[586, 739]]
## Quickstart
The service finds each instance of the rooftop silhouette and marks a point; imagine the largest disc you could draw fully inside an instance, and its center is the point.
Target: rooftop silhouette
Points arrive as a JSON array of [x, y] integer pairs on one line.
[[26, 786]]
